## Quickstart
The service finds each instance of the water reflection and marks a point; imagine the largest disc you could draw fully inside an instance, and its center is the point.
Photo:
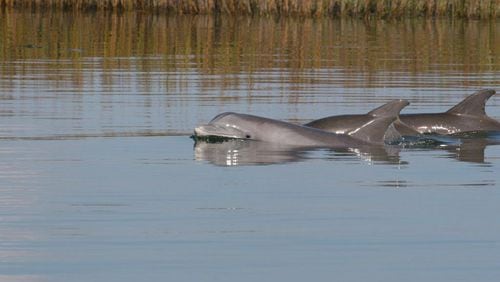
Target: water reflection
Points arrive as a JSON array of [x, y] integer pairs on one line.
[[472, 148], [240, 152], [88, 194], [226, 46], [245, 152], [99, 73]]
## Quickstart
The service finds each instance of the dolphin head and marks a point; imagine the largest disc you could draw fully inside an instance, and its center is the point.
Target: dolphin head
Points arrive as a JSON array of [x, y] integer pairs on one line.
[[229, 125]]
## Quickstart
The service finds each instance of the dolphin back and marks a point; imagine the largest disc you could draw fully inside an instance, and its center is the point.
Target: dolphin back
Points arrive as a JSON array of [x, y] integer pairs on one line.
[[474, 104], [374, 131]]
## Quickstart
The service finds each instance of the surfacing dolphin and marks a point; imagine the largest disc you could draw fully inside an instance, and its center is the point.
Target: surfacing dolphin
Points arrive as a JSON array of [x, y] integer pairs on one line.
[[243, 126], [467, 116], [344, 124]]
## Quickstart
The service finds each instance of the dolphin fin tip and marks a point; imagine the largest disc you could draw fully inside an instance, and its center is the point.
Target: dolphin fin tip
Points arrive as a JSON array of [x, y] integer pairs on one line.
[[384, 116], [473, 104], [391, 108]]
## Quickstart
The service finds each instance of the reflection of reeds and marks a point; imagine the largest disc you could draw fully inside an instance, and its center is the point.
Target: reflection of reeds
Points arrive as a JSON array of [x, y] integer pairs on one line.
[[228, 45], [74, 50], [357, 8]]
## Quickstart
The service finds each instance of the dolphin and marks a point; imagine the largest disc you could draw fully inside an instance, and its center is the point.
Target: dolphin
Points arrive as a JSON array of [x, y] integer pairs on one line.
[[250, 127], [344, 124], [467, 116]]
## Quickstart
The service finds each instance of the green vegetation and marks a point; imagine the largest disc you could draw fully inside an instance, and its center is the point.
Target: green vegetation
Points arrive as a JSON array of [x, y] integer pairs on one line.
[[314, 8]]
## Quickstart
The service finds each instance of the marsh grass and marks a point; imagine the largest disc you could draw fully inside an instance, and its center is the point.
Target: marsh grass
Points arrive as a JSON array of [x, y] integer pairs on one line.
[[315, 8]]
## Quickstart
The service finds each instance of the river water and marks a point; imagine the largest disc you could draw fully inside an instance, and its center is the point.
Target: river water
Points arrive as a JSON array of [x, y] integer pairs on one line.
[[99, 180]]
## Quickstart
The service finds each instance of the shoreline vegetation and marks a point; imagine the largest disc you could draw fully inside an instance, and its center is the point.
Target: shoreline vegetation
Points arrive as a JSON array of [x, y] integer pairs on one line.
[[470, 9]]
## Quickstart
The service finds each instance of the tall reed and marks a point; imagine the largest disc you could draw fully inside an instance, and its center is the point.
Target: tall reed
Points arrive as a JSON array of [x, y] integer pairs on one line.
[[315, 8]]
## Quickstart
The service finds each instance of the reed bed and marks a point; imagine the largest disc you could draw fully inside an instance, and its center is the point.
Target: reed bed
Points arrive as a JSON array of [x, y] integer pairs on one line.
[[309, 8]]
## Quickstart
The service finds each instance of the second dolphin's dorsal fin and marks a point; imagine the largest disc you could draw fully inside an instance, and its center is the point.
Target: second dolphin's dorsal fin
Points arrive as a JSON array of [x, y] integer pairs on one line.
[[474, 104], [387, 109], [374, 130]]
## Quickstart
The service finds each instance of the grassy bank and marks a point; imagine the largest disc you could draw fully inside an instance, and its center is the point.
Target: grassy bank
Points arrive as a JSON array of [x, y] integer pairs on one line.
[[314, 8]]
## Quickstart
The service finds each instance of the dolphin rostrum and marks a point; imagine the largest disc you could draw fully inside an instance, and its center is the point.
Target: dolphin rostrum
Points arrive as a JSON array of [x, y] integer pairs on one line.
[[467, 116], [243, 126]]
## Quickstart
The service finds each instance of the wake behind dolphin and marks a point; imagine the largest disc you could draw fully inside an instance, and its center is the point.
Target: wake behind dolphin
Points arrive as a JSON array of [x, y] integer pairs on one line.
[[250, 127]]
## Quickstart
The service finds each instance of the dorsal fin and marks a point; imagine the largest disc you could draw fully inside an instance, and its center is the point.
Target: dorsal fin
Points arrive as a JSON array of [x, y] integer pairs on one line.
[[374, 130], [387, 109], [473, 104]]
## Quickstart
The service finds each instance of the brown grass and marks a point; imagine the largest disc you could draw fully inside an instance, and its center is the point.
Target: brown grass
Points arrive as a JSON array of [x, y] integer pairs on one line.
[[314, 8]]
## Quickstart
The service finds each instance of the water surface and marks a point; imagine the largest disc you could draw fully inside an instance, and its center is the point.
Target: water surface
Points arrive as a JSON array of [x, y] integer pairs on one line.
[[100, 181]]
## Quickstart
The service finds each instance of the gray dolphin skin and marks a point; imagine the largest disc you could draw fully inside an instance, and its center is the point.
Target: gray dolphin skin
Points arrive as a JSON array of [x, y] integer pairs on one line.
[[343, 124], [244, 126], [467, 116]]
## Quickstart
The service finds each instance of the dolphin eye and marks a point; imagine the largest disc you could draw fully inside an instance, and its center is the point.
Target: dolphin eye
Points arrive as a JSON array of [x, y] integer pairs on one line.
[[248, 136]]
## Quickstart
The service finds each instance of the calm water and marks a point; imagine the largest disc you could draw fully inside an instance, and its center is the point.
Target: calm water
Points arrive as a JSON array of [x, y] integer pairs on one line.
[[99, 180]]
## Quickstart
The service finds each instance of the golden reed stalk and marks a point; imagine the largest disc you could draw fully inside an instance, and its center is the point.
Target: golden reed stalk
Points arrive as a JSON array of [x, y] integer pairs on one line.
[[315, 8]]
